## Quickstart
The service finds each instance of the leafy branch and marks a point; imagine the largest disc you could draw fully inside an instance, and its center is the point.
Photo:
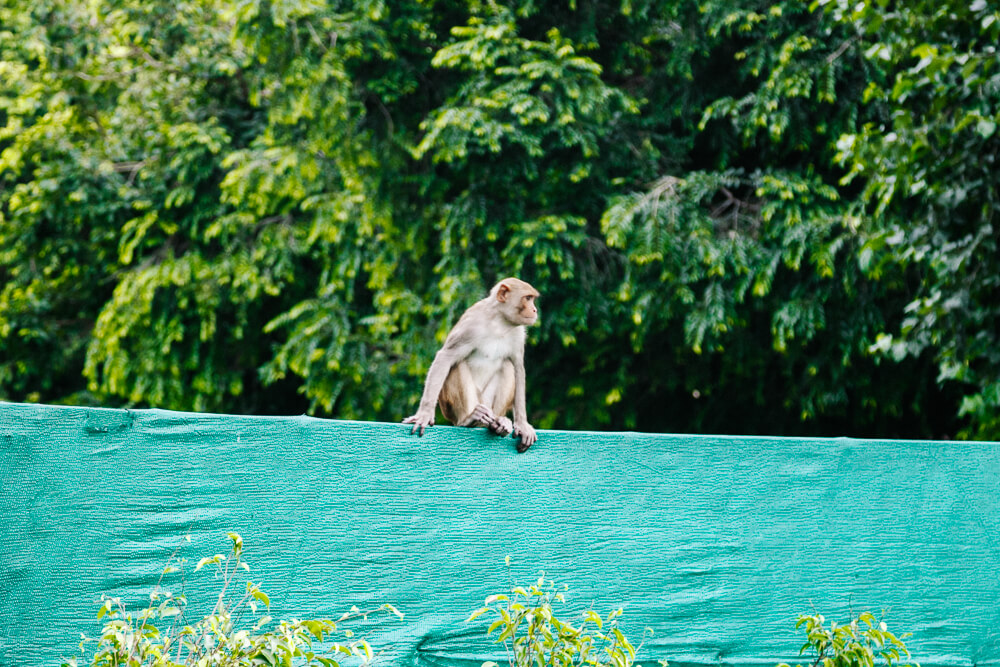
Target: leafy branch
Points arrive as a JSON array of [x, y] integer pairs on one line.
[[159, 636]]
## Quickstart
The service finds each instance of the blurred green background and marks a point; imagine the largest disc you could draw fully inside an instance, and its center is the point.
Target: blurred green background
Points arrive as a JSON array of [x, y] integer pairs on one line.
[[743, 217]]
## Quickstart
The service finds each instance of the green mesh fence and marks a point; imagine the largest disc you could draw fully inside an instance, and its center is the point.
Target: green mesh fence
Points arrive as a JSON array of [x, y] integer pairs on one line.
[[714, 543]]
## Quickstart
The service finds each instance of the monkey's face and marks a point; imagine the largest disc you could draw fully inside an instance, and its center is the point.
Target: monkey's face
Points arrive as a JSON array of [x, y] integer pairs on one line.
[[517, 301], [527, 312]]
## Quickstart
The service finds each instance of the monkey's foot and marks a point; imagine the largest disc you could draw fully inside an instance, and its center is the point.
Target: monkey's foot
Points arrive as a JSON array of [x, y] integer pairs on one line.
[[485, 416], [502, 426]]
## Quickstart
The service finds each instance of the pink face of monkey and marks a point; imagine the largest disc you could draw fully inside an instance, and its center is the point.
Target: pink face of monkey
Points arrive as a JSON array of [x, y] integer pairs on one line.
[[518, 301]]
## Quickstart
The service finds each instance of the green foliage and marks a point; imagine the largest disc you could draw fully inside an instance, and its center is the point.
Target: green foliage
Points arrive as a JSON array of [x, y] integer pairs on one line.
[[859, 643], [770, 218], [536, 96], [532, 634], [238, 631], [160, 635], [927, 159]]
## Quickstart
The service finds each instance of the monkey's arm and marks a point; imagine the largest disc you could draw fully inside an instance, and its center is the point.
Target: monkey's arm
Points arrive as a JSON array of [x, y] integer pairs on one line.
[[522, 429], [453, 351]]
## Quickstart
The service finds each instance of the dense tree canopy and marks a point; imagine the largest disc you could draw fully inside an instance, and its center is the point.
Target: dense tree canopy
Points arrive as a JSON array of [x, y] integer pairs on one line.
[[765, 218]]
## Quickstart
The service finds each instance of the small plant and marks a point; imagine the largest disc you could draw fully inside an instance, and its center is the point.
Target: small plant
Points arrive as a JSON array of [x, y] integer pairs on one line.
[[533, 635], [856, 644], [160, 636]]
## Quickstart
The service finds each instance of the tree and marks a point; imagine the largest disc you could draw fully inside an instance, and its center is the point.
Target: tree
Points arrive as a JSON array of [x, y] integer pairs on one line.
[[927, 159], [287, 204]]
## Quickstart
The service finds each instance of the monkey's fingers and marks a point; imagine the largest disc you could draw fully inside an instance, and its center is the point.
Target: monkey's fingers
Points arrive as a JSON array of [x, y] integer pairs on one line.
[[527, 437], [419, 425], [502, 426], [524, 443], [484, 415]]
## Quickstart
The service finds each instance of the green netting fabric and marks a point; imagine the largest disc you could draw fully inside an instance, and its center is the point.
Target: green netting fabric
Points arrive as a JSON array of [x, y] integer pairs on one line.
[[715, 543]]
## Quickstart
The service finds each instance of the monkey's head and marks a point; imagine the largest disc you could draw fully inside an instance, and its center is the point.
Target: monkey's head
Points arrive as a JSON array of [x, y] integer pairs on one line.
[[516, 299]]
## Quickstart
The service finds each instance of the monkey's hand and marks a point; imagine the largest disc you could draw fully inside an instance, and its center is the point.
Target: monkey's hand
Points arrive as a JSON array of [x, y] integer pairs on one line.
[[526, 433], [420, 421]]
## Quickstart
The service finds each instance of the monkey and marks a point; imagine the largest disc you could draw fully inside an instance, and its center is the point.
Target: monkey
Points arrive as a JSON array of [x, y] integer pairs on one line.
[[478, 374]]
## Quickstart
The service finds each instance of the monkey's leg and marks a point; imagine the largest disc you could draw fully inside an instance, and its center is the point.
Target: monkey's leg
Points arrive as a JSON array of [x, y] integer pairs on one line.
[[498, 397], [459, 397]]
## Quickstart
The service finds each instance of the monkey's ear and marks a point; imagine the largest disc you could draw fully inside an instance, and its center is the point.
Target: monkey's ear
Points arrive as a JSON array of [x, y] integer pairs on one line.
[[502, 292]]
